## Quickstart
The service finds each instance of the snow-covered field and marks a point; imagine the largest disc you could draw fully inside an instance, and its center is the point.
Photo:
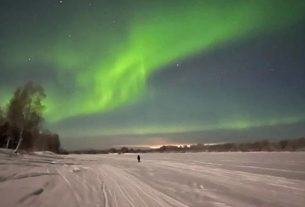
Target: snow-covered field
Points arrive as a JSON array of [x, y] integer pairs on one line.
[[199, 179]]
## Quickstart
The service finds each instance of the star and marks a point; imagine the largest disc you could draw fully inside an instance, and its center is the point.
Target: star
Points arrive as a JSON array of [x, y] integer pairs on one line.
[[60, 1]]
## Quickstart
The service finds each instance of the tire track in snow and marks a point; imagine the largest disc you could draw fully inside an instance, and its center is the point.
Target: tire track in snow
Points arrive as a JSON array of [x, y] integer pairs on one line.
[[106, 203], [76, 197], [131, 188]]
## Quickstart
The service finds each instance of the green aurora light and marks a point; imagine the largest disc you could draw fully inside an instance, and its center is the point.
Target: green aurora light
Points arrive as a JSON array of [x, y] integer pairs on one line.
[[109, 64]]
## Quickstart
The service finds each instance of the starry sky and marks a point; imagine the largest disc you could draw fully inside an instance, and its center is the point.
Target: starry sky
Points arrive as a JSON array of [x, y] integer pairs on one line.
[[156, 72]]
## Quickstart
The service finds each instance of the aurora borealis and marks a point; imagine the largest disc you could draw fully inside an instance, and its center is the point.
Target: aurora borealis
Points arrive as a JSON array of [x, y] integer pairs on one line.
[[153, 67]]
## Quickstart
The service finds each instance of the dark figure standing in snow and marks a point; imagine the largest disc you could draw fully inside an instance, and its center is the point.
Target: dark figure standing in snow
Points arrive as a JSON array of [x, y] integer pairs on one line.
[[139, 158]]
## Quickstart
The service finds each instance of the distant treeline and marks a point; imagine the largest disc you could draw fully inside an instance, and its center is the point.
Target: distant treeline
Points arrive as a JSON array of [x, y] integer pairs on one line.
[[264, 145], [21, 122]]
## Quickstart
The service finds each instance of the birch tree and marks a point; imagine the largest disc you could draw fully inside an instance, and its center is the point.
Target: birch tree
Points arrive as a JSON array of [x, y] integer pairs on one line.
[[25, 111]]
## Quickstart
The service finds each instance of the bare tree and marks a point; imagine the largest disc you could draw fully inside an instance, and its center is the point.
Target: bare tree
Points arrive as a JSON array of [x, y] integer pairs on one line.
[[25, 110], [2, 127], [1, 115]]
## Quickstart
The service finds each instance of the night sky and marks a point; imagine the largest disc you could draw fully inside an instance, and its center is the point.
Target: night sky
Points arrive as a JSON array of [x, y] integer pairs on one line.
[[155, 72]]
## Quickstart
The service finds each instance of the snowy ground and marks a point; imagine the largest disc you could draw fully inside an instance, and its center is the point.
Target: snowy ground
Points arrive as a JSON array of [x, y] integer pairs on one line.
[[199, 179]]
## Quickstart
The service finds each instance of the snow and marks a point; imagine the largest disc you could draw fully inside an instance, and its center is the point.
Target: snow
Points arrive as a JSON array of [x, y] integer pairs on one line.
[[168, 179]]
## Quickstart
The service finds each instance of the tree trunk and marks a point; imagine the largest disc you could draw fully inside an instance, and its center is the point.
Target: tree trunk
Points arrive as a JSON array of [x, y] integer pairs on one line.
[[19, 141], [8, 142]]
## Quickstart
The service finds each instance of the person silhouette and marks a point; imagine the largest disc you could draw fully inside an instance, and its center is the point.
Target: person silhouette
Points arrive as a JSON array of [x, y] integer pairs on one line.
[[139, 158]]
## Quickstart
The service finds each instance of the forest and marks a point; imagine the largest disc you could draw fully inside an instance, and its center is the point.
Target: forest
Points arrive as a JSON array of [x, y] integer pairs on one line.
[[291, 145]]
